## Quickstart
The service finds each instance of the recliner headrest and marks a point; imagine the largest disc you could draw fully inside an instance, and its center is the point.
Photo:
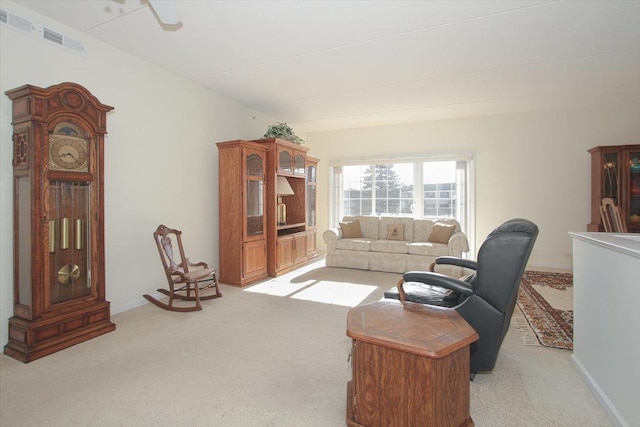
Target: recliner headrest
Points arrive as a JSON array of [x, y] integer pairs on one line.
[[517, 225]]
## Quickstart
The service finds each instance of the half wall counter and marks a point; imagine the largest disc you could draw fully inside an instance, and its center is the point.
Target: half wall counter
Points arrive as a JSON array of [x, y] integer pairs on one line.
[[606, 320]]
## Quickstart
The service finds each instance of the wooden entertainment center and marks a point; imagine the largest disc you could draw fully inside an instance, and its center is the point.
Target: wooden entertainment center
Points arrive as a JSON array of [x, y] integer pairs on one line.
[[254, 244]]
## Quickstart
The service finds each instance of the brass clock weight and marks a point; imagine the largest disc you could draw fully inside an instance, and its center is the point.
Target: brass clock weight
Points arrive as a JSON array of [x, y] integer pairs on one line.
[[58, 169]]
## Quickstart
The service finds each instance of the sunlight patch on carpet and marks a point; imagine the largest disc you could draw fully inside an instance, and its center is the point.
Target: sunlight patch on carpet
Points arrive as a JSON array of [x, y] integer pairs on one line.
[[278, 288], [338, 293]]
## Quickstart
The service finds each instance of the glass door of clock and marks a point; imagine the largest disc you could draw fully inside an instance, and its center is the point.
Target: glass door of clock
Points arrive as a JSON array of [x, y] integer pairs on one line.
[[69, 241]]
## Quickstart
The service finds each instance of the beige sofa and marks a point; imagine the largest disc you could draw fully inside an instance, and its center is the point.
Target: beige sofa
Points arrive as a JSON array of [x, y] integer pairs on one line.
[[394, 244]]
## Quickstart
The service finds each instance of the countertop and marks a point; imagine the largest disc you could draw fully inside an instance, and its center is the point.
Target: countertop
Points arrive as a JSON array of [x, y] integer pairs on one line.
[[626, 243]]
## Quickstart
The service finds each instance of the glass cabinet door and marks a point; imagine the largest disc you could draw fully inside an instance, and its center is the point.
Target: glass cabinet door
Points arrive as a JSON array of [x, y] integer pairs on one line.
[[255, 196], [311, 196], [634, 187], [285, 161], [298, 164], [610, 177]]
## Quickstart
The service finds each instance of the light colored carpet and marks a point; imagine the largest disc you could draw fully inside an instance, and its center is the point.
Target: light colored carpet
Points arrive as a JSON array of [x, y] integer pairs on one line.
[[266, 355]]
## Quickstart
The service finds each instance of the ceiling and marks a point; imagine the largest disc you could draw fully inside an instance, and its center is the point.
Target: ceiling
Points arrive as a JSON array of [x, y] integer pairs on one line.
[[322, 65]]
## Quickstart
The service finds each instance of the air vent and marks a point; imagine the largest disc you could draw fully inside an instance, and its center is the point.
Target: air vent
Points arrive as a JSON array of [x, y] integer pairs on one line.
[[62, 40], [16, 22], [52, 36], [25, 26]]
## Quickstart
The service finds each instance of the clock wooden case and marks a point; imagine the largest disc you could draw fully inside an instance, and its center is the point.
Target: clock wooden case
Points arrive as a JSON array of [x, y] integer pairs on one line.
[[59, 270]]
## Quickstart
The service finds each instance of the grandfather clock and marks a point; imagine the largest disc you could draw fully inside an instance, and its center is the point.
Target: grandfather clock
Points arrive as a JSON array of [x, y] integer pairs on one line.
[[58, 170]]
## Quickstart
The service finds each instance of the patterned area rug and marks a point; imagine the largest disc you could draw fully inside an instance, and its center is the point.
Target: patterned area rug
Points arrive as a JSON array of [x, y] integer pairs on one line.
[[546, 321]]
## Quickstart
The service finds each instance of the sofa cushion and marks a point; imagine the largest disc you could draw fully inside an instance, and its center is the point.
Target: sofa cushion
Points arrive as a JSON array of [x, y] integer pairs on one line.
[[395, 232], [386, 221], [389, 246], [422, 229], [441, 232], [363, 245], [351, 229], [428, 248], [368, 224]]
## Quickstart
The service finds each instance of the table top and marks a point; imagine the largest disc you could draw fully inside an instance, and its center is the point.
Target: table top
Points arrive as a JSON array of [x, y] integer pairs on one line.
[[420, 329]]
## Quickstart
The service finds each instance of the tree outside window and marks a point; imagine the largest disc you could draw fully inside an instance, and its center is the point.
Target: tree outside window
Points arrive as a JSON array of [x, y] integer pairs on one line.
[[387, 189], [380, 186]]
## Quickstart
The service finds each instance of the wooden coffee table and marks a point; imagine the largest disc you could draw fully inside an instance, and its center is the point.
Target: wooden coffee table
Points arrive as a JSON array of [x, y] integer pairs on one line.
[[410, 366]]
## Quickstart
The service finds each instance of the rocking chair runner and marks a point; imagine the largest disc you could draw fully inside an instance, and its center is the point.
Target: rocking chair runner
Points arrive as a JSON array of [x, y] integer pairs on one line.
[[184, 284]]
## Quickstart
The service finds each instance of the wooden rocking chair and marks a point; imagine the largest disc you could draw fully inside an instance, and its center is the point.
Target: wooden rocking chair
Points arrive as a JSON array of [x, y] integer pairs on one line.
[[184, 284]]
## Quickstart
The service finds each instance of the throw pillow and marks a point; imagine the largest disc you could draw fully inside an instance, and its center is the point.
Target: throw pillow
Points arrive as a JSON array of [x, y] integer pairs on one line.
[[395, 232], [441, 233], [351, 229]]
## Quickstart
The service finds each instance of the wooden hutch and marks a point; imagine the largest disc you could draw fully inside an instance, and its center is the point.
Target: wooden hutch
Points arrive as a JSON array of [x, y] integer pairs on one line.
[[255, 242], [615, 173]]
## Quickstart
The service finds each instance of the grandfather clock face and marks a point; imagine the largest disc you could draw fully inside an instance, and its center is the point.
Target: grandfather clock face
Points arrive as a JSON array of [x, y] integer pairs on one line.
[[70, 214], [68, 149]]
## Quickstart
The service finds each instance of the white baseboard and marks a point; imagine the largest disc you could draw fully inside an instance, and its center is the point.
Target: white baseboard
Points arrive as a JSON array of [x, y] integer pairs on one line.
[[137, 303], [554, 268], [609, 408]]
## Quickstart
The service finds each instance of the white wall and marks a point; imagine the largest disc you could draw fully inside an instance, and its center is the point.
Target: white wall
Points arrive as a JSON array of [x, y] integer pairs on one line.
[[161, 162], [532, 165]]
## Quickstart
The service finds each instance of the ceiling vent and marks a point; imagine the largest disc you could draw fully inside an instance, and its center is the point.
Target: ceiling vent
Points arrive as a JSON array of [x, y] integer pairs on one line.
[[62, 40], [16, 22], [26, 26]]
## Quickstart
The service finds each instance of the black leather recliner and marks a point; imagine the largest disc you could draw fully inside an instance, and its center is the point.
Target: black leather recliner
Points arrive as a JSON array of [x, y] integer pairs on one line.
[[485, 299]]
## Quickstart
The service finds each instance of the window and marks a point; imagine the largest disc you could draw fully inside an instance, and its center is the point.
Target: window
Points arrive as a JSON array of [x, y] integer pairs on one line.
[[420, 188], [384, 189]]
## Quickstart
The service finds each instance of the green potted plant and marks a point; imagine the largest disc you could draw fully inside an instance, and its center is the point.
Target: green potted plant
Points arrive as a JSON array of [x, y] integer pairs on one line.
[[283, 131]]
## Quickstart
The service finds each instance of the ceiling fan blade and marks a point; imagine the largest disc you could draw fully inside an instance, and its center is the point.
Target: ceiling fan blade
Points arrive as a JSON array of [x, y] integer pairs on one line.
[[166, 10]]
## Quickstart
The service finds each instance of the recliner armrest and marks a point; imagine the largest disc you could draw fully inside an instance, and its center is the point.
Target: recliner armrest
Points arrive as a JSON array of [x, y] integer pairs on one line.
[[437, 279], [460, 262]]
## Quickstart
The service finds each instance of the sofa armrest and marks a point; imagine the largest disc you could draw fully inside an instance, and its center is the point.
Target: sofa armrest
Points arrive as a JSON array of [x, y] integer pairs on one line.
[[458, 243], [331, 237]]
